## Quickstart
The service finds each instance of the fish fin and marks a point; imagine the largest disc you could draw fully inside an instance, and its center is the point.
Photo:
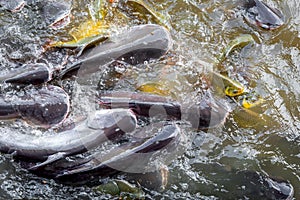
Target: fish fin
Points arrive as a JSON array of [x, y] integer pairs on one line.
[[80, 49], [84, 167], [52, 158], [71, 69]]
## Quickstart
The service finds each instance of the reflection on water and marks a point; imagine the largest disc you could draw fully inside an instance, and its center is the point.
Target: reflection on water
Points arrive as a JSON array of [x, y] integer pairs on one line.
[[267, 143]]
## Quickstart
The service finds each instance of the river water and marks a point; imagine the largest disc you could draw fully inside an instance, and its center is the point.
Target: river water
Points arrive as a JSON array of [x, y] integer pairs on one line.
[[267, 143]]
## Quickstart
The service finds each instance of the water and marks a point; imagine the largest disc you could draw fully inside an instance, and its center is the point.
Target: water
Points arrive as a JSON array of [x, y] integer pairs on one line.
[[268, 144]]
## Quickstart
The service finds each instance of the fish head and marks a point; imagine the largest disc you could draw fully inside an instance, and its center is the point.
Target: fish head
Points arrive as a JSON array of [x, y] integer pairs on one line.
[[262, 15], [121, 119]]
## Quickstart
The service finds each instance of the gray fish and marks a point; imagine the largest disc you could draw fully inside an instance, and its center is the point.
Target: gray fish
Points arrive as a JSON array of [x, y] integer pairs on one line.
[[207, 113], [56, 13], [44, 106], [101, 126], [141, 103], [136, 45], [28, 74], [132, 156], [262, 15]]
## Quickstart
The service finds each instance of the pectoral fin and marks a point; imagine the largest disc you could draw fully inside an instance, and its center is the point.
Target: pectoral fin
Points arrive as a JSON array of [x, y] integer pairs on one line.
[[52, 158]]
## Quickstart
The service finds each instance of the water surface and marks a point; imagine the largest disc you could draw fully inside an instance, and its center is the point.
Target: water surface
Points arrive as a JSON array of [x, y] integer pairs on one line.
[[267, 143]]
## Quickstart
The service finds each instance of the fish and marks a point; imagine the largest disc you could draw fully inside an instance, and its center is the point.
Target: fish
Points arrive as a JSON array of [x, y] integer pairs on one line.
[[240, 41], [12, 5], [262, 15], [231, 87], [132, 156], [133, 46], [87, 35], [207, 113], [43, 106], [35, 74], [100, 126], [56, 13], [141, 103]]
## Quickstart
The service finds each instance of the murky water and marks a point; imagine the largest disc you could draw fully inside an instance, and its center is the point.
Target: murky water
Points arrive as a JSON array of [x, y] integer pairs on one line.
[[267, 143]]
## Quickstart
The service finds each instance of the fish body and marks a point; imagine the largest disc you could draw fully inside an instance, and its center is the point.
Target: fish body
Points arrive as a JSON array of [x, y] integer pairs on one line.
[[134, 46], [206, 113], [143, 104], [43, 106], [136, 156], [101, 126], [28, 74]]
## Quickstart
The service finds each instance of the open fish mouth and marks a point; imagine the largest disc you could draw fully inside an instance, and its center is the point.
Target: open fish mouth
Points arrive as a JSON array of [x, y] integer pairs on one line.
[[19, 7], [56, 13], [13, 6], [61, 21], [260, 14], [143, 43]]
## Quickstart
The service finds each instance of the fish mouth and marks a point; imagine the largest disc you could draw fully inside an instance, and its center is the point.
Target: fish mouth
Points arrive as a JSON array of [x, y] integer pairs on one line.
[[62, 21], [251, 19], [262, 15], [19, 7], [14, 6], [268, 26]]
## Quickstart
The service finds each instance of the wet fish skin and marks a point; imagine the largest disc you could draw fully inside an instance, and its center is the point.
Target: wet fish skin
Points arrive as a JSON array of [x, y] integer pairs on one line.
[[98, 128], [56, 12], [261, 186], [207, 113], [125, 157], [262, 15], [28, 74], [7, 111], [143, 104], [136, 45], [43, 106]]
